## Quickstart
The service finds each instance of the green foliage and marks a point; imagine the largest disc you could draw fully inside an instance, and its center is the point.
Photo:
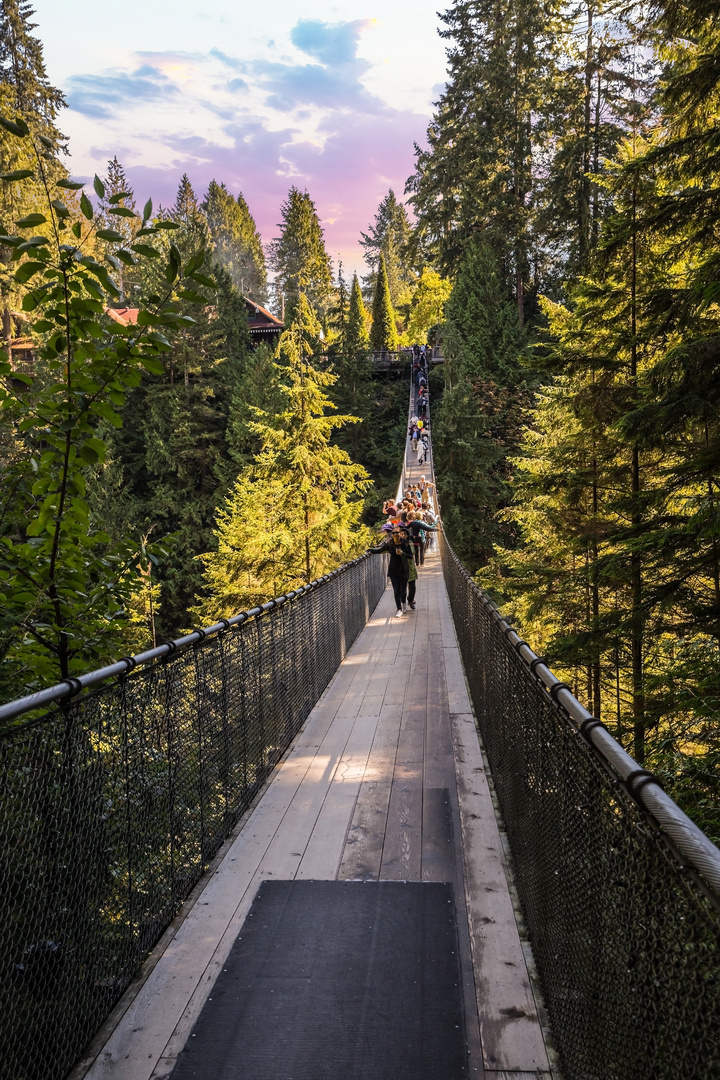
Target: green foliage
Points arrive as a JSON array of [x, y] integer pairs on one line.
[[428, 306], [383, 333], [235, 241], [476, 424], [174, 459], [390, 236], [299, 258], [356, 340], [63, 583], [293, 514]]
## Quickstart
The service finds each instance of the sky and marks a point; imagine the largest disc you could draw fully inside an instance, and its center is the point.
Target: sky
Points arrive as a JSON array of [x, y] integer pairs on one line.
[[260, 94]]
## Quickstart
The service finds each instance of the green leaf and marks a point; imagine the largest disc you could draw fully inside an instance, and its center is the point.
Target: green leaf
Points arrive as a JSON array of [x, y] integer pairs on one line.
[[125, 256], [193, 297], [43, 326], [146, 318], [99, 187], [166, 225], [147, 211], [110, 234], [77, 229], [145, 249], [17, 174], [151, 231], [201, 279], [86, 206], [71, 185], [31, 221], [106, 411], [33, 242], [47, 143], [60, 208], [119, 197], [121, 211], [29, 303], [14, 128], [27, 270], [194, 263]]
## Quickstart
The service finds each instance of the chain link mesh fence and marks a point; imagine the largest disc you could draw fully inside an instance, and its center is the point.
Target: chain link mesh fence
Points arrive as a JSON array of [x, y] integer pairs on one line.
[[625, 934], [112, 805]]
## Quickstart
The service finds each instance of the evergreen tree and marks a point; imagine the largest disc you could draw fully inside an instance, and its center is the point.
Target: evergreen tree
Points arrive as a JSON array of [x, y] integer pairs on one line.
[[356, 340], [383, 334], [299, 258], [22, 70], [476, 425], [172, 463], [119, 213], [235, 241], [292, 515], [389, 235], [25, 91]]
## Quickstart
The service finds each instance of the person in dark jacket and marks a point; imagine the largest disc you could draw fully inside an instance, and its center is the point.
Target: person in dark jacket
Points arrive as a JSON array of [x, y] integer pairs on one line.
[[398, 547]]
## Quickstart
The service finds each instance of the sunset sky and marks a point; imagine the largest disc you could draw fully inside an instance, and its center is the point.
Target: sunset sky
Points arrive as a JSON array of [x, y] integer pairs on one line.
[[260, 94]]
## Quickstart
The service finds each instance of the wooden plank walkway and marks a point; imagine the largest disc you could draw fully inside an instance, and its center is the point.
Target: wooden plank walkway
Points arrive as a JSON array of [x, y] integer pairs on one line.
[[385, 781]]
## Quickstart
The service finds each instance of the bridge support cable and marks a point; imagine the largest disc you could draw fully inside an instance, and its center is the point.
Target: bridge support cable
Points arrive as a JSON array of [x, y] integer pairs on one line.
[[620, 890], [118, 788]]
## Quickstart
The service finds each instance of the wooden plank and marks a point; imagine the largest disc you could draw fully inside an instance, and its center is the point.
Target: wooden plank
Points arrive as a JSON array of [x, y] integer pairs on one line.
[[402, 851], [362, 854], [323, 852], [511, 1033]]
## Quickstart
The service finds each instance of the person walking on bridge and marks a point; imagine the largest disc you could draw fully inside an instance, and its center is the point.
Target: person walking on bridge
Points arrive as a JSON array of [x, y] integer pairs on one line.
[[401, 555]]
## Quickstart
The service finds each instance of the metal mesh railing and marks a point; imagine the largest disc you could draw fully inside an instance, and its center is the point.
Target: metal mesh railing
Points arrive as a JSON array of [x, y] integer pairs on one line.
[[621, 893], [113, 803]]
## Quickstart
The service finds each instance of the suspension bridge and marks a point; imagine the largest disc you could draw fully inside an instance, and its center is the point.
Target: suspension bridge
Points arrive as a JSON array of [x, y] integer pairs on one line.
[[319, 841]]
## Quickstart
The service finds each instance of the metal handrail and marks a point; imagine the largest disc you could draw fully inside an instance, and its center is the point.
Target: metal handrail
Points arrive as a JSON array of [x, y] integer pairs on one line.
[[71, 687], [690, 840]]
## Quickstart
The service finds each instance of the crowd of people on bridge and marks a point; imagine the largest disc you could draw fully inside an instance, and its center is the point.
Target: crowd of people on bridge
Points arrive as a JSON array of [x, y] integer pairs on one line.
[[409, 527], [411, 520]]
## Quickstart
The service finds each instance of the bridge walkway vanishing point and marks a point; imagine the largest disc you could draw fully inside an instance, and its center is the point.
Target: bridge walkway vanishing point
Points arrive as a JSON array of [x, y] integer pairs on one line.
[[386, 781]]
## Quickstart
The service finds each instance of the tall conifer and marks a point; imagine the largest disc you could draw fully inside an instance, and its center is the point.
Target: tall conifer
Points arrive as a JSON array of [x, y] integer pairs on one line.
[[235, 241], [383, 334], [292, 515], [299, 258]]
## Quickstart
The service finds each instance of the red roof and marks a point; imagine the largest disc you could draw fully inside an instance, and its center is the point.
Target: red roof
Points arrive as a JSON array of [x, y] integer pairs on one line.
[[260, 320], [126, 316]]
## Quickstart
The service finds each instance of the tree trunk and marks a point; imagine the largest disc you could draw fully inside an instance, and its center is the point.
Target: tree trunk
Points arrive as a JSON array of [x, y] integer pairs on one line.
[[636, 619], [584, 194]]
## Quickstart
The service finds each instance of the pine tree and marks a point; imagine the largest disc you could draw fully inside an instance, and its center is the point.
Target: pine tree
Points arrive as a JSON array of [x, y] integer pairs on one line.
[[389, 235], [22, 69], [172, 463], [356, 340], [478, 171], [383, 334], [476, 425], [299, 258], [24, 91], [119, 213], [235, 241], [292, 515]]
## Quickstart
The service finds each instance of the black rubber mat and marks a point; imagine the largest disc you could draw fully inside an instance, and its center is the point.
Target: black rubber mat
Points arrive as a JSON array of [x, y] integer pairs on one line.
[[336, 980]]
